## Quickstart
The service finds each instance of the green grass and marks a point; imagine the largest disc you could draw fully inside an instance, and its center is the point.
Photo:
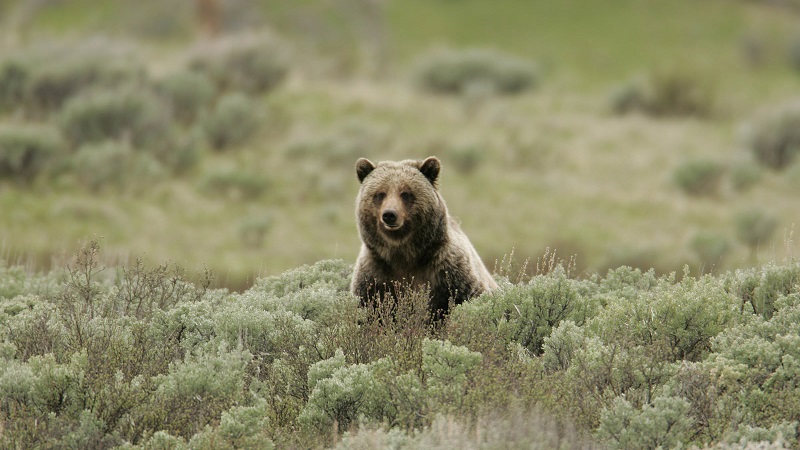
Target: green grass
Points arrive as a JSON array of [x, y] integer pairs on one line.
[[557, 168], [589, 42], [80, 15]]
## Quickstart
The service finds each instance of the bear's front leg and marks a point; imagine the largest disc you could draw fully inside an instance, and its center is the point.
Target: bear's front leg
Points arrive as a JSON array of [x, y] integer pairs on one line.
[[368, 282]]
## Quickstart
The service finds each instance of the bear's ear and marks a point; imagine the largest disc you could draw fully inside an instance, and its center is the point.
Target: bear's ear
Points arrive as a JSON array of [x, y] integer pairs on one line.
[[430, 168], [363, 168]]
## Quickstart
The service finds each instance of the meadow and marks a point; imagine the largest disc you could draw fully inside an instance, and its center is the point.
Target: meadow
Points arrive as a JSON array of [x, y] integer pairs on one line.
[[648, 149], [570, 162]]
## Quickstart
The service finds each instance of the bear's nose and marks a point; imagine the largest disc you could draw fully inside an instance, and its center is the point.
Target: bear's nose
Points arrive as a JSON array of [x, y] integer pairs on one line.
[[389, 218]]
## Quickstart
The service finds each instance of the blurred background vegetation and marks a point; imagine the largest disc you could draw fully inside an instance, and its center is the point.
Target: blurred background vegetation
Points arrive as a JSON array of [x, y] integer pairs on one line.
[[222, 134]]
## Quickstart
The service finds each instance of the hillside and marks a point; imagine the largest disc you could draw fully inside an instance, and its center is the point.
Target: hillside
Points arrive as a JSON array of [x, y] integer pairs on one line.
[[629, 147]]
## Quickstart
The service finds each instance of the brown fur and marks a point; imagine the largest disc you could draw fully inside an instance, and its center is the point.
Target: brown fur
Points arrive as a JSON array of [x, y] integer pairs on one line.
[[409, 239]]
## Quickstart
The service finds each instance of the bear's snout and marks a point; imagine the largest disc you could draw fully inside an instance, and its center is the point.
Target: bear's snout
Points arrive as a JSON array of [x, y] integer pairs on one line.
[[390, 218]]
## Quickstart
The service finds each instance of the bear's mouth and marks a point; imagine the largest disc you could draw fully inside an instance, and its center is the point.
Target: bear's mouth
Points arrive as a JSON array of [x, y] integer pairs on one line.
[[393, 227], [394, 231]]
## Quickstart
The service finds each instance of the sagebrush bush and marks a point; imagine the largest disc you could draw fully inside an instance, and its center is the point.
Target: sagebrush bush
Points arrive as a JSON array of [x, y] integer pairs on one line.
[[13, 75], [759, 290], [383, 391], [445, 367], [333, 274], [710, 247], [754, 227], [234, 119], [240, 427], [53, 85], [699, 177], [679, 94], [27, 150], [139, 358], [778, 436], [189, 93], [177, 150], [509, 428], [12, 281], [628, 97], [159, 440], [690, 312], [668, 93], [93, 348], [250, 63], [459, 71], [630, 346], [196, 391], [774, 136], [664, 424], [42, 77], [757, 352], [523, 313], [132, 115], [115, 165], [340, 393]]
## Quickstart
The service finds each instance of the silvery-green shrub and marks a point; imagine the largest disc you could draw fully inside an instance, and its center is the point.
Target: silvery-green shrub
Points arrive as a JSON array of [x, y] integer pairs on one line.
[[663, 424], [239, 427], [188, 92], [351, 391], [129, 114], [249, 63], [232, 122], [459, 71], [445, 367], [774, 136], [27, 150]]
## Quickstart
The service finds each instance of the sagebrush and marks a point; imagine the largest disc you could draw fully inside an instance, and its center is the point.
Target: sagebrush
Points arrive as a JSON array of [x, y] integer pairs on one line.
[[138, 357]]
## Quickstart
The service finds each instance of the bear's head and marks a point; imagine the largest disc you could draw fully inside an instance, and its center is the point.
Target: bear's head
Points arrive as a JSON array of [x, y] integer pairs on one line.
[[398, 202]]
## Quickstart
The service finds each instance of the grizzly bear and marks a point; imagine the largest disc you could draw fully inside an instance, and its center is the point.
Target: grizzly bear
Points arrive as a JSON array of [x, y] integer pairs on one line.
[[409, 240]]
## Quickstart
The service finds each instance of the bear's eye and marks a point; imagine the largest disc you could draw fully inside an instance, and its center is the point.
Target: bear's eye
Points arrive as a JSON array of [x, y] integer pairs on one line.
[[379, 197], [407, 197]]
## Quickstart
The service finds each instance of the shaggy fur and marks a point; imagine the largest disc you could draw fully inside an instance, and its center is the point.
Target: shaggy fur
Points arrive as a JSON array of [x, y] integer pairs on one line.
[[409, 239]]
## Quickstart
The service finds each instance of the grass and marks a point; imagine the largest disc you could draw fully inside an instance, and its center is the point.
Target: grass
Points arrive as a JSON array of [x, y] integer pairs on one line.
[[591, 41], [598, 200], [557, 168], [76, 15]]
